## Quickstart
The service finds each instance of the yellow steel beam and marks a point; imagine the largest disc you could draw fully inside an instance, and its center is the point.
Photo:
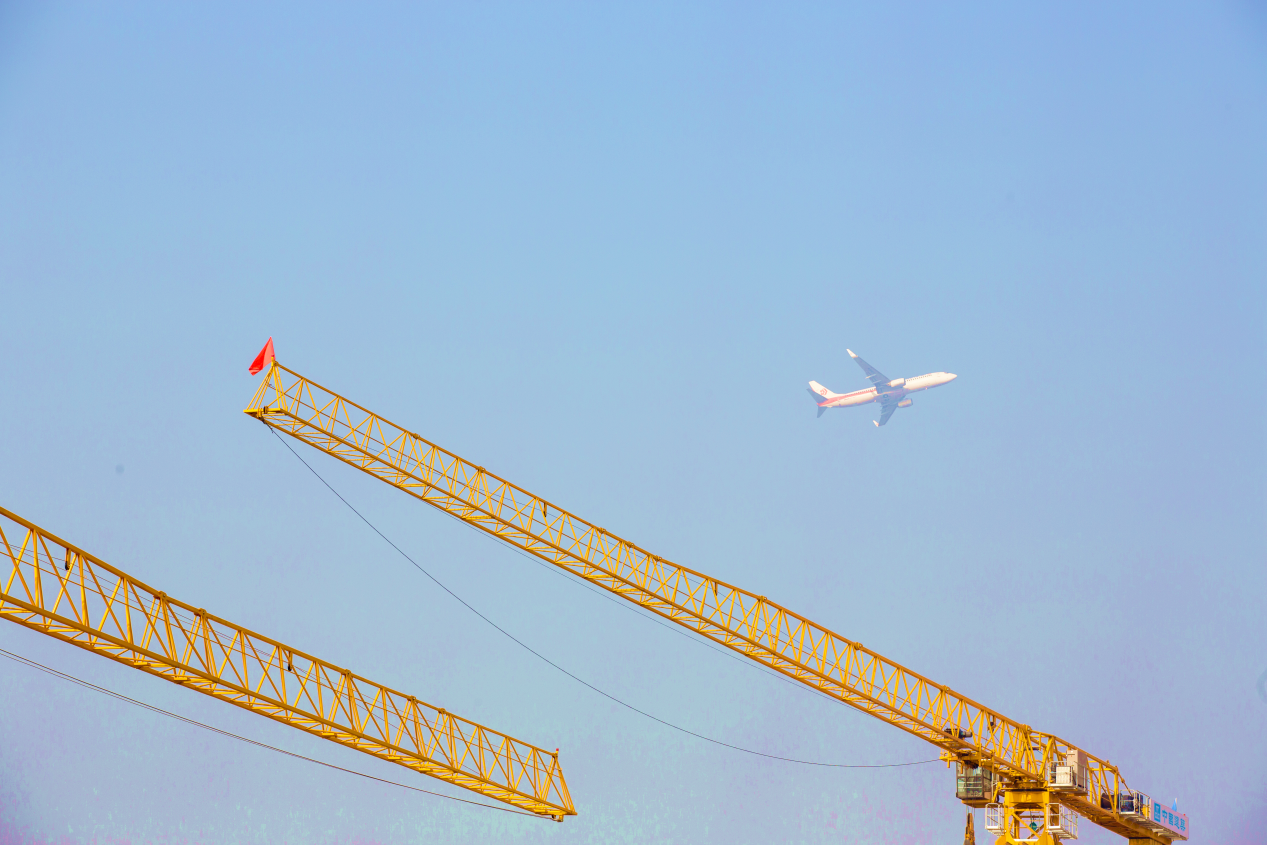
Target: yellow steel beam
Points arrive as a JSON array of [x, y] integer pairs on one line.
[[61, 590], [749, 624]]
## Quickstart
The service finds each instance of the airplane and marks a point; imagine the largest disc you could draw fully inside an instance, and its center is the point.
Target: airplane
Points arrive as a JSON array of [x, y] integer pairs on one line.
[[890, 394]]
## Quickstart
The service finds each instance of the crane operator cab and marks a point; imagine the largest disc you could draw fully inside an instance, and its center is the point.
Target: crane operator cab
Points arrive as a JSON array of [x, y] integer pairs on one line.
[[974, 785]]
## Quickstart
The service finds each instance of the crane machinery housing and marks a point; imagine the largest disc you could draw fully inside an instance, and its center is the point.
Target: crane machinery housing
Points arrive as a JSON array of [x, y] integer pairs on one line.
[[60, 590], [1033, 785]]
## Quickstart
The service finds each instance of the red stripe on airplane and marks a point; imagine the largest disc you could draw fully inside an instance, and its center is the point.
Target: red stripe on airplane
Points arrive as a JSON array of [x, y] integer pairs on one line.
[[845, 396]]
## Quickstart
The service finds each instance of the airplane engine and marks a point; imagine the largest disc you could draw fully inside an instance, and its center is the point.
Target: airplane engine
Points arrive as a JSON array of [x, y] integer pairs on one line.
[[906, 403], [897, 382]]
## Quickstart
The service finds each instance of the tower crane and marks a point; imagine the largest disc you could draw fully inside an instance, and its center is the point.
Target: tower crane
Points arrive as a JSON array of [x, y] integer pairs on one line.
[[59, 589], [1033, 785]]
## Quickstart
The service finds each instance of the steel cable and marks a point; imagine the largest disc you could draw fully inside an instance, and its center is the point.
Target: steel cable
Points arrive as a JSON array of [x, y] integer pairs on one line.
[[550, 662], [68, 677]]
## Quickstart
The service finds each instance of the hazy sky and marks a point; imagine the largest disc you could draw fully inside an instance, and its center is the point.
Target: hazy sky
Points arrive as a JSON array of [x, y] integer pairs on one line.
[[600, 250]]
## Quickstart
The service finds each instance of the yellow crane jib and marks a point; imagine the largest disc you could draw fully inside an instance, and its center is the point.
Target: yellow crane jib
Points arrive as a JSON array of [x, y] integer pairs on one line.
[[1002, 764], [58, 589]]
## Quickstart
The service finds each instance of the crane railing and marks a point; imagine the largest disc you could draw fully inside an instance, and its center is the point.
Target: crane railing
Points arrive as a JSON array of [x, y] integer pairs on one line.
[[58, 589], [742, 621]]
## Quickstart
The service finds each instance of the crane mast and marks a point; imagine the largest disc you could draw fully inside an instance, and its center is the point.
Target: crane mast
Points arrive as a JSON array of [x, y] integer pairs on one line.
[[60, 590], [1034, 785]]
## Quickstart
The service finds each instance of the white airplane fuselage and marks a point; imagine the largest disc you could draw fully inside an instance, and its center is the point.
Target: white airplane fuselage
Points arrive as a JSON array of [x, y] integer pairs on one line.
[[890, 394], [897, 389]]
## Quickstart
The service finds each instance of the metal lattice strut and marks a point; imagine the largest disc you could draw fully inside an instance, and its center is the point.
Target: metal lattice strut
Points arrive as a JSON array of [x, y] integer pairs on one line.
[[60, 590]]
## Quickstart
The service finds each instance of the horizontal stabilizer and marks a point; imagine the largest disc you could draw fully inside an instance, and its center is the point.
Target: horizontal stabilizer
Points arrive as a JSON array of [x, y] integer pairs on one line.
[[817, 400], [821, 396]]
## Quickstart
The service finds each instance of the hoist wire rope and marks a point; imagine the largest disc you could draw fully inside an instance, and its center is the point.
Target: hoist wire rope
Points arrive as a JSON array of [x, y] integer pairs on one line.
[[371, 439], [550, 662], [104, 583], [635, 610], [121, 697], [309, 680]]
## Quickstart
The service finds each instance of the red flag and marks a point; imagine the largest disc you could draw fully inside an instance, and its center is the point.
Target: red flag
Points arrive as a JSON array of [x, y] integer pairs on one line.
[[264, 358]]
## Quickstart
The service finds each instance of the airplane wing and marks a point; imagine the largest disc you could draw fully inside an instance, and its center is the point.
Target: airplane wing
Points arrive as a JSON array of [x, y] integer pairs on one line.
[[887, 409], [878, 378]]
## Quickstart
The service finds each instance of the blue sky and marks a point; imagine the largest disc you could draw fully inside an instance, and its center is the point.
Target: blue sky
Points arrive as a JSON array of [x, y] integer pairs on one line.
[[600, 251]]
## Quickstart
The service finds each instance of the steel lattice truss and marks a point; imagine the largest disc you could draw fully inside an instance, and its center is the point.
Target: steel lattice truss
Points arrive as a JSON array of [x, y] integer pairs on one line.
[[749, 624], [60, 590]]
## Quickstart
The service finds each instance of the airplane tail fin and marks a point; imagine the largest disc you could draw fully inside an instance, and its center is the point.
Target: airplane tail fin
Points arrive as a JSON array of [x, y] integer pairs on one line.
[[820, 394]]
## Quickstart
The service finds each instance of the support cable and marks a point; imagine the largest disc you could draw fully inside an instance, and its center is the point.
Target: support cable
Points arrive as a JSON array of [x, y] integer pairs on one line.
[[547, 660], [121, 697]]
